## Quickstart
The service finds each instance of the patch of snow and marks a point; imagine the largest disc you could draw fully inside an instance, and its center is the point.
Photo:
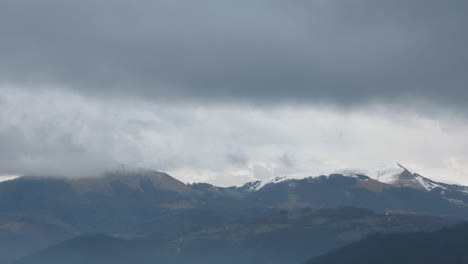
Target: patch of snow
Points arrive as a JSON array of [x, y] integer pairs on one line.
[[273, 180], [387, 174], [352, 172], [252, 186], [257, 185], [427, 184], [8, 177]]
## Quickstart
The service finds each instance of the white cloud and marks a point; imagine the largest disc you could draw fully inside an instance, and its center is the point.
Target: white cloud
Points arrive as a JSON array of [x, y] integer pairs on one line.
[[58, 132]]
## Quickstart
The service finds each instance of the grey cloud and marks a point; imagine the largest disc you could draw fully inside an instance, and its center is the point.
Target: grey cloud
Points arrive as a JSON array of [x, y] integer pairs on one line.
[[343, 52], [237, 159], [62, 133], [286, 161]]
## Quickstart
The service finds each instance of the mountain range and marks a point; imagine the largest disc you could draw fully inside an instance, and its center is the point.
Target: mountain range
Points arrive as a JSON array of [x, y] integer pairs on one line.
[[141, 209]]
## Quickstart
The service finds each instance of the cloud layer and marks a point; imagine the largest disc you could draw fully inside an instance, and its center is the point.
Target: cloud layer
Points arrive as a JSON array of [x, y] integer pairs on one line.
[[229, 91], [63, 133], [345, 53]]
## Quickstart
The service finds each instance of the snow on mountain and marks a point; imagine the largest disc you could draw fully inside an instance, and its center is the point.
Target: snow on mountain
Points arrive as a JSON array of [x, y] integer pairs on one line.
[[388, 174], [395, 174], [8, 177], [257, 185], [401, 176], [352, 172], [273, 180]]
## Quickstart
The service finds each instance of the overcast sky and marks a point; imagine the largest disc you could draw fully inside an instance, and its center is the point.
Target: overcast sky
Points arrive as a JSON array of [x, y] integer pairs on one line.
[[231, 91]]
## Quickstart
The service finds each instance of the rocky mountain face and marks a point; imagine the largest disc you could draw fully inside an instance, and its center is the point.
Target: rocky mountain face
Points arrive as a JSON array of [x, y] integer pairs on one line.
[[36, 212]]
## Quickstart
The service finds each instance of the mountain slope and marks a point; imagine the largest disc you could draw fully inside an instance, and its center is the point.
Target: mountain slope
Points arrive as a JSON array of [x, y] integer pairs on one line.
[[285, 237], [361, 191], [448, 245], [36, 212]]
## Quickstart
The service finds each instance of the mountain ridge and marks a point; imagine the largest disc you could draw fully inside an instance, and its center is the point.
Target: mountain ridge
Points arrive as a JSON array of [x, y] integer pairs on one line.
[[150, 202], [394, 175]]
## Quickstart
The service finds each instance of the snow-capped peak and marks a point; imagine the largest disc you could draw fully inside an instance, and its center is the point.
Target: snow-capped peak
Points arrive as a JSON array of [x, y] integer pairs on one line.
[[398, 175], [401, 176], [394, 174]]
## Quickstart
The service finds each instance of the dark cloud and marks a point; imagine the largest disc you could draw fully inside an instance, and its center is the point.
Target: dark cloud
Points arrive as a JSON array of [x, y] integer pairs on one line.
[[344, 52]]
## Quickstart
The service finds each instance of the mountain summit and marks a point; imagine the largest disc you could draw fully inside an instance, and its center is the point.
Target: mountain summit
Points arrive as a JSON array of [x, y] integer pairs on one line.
[[395, 175], [398, 175]]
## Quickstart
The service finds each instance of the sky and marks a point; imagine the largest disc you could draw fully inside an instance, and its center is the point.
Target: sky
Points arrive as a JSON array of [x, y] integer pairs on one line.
[[232, 91]]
